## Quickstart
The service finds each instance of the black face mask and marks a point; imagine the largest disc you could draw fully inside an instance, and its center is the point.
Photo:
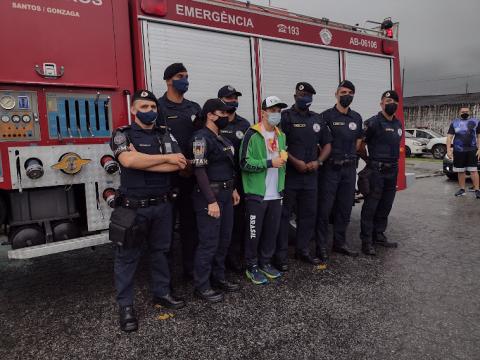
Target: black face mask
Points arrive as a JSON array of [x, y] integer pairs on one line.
[[221, 122], [346, 100], [390, 109], [464, 116]]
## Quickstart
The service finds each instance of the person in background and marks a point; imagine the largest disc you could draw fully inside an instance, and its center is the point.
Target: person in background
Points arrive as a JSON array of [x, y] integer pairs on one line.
[[463, 146]]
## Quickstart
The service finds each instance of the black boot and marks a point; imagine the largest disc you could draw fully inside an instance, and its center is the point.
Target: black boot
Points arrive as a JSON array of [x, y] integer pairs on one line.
[[128, 319], [169, 301], [209, 295], [368, 249], [307, 258], [323, 255], [381, 240], [225, 285]]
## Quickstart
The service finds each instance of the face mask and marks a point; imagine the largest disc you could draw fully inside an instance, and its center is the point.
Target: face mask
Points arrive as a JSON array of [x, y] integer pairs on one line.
[[464, 116], [346, 100], [148, 117], [221, 122], [232, 104], [304, 102], [181, 85], [274, 118], [390, 109]]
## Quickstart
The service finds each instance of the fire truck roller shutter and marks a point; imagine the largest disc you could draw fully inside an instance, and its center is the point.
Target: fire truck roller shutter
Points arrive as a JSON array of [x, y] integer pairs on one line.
[[284, 65], [372, 76], [213, 59]]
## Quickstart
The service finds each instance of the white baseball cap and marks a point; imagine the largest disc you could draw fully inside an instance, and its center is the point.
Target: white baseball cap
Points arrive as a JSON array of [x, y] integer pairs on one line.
[[271, 101]]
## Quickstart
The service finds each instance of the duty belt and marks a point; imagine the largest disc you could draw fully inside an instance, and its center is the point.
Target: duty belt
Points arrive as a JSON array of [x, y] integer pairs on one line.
[[141, 203], [222, 185], [342, 162], [380, 165]]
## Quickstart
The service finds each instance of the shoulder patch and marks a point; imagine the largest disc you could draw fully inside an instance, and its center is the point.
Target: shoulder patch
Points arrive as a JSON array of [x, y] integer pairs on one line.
[[119, 138]]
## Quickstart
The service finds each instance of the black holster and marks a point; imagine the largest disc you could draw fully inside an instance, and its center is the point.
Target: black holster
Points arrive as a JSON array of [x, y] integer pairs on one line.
[[363, 182], [124, 231]]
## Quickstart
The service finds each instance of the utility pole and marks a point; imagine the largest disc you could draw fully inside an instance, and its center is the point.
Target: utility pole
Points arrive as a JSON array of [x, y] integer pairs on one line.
[[466, 87]]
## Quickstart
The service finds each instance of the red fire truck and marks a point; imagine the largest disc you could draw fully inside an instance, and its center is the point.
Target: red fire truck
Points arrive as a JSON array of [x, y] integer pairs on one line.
[[68, 68]]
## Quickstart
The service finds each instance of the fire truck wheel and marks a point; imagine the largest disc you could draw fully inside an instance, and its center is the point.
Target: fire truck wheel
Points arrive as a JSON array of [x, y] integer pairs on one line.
[[28, 235], [64, 230]]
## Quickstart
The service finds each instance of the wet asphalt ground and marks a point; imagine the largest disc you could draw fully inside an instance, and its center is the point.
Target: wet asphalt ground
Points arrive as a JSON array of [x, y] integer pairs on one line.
[[420, 301]]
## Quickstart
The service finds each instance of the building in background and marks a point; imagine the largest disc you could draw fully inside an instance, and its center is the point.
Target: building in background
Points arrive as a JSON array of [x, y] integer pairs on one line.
[[437, 111]]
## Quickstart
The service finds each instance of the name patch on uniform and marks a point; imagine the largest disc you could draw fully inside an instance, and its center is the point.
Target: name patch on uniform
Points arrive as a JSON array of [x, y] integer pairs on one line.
[[389, 129], [352, 126], [239, 134], [316, 127], [400, 132], [338, 123], [172, 117], [299, 125]]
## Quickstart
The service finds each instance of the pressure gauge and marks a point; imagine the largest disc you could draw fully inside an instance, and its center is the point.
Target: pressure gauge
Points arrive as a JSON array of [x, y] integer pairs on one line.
[[15, 118], [5, 118], [7, 102], [26, 118]]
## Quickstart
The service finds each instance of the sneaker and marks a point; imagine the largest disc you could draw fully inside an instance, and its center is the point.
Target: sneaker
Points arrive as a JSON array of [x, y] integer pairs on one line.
[[477, 194], [255, 275], [460, 192], [270, 271]]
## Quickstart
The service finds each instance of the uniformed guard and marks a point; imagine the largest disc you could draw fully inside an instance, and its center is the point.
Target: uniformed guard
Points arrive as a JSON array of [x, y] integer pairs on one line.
[[179, 113], [142, 217], [213, 199], [234, 132], [306, 134], [383, 133], [338, 176], [262, 158]]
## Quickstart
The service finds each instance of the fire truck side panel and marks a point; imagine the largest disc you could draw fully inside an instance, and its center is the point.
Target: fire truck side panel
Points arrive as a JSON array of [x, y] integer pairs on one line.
[[213, 60], [59, 34], [284, 64]]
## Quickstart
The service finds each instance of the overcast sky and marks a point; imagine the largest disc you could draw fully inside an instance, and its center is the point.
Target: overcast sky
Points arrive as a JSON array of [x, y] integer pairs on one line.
[[439, 40]]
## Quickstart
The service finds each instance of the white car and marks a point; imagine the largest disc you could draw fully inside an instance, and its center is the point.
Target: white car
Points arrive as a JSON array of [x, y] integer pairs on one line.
[[437, 143], [414, 146]]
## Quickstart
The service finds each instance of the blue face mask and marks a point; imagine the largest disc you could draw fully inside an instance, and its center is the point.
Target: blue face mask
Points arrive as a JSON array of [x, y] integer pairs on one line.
[[274, 118], [304, 102], [181, 85], [147, 118]]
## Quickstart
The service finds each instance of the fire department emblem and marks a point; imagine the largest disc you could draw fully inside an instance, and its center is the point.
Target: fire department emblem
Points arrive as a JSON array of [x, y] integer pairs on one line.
[[144, 94], [316, 127], [352, 126], [193, 117], [70, 163], [326, 36], [230, 88], [400, 132], [301, 87], [239, 134]]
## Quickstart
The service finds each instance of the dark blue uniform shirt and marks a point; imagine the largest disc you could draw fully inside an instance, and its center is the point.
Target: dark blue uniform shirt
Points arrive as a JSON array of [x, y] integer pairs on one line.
[[383, 138], [465, 132], [214, 153], [179, 119], [305, 132], [234, 132], [346, 129], [135, 183]]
